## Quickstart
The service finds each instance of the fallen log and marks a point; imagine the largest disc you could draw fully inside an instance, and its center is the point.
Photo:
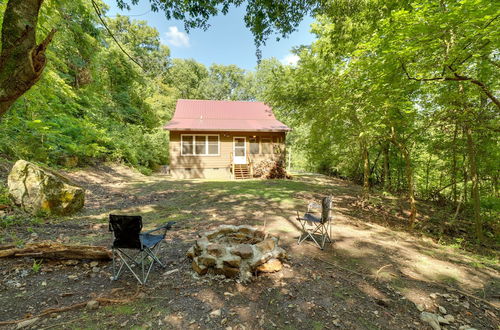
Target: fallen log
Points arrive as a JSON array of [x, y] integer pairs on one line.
[[52, 250]]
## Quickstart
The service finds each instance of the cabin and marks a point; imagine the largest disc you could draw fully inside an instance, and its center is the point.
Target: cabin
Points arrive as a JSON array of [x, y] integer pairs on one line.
[[223, 139]]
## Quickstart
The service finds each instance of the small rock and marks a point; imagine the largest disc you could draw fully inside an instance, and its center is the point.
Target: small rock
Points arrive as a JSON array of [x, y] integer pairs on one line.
[[96, 269], [27, 323], [215, 313], [420, 307], [227, 271], [243, 250], [442, 320], [442, 310], [72, 277], [199, 268], [336, 323], [93, 304], [271, 266], [191, 253], [431, 319], [170, 272], [228, 294], [449, 318], [207, 260], [94, 264], [232, 261], [44, 283], [266, 245], [433, 295], [466, 304], [216, 249]]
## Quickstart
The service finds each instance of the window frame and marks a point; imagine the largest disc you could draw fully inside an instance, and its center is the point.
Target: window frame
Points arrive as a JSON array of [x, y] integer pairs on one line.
[[206, 154]]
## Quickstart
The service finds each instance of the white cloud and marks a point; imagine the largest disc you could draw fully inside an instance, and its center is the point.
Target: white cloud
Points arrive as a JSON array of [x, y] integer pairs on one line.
[[290, 59], [177, 38]]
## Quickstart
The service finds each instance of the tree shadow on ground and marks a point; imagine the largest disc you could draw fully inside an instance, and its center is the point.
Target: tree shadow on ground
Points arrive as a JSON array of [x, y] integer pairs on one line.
[[380, 273]]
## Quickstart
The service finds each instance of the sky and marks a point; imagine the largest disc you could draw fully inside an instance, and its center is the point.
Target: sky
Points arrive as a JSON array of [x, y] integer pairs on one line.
[[227, 41]]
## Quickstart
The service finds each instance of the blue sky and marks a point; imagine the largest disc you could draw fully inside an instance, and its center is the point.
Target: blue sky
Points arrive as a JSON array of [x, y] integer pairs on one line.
[[227, 41]]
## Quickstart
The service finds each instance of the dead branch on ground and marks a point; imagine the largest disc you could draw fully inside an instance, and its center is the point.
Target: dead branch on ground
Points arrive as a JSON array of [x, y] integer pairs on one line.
[[52, 250]]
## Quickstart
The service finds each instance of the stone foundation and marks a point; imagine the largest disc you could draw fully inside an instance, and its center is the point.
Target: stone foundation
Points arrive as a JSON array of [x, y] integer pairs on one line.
[[236, 252]]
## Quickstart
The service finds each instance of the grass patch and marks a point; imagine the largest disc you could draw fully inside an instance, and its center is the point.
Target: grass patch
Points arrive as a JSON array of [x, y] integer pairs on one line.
[[398, 283], [338, 294], [450, 280], [315, 325], [120, 309]]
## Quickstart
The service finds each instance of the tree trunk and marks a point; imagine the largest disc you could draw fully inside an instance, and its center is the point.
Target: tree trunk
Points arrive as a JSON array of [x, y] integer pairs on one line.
[[366, 170], [21, 60], [50, 250], [454, 166], [466, 179], [411, 188], [471, 149], [427, 170], [409, 178], [387, 175]]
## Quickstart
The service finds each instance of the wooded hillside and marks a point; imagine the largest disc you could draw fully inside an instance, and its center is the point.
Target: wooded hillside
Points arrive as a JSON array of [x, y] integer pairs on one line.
[[93, 103]]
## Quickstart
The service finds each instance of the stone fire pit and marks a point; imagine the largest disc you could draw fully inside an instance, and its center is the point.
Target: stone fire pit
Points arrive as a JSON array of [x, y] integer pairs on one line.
[[236, 251]]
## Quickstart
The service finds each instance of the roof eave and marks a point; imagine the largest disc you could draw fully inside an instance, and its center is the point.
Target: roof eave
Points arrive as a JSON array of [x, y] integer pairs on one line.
[[228, 130]]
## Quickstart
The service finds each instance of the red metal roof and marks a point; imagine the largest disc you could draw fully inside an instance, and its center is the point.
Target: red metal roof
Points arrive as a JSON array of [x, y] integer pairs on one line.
[[207, 115]]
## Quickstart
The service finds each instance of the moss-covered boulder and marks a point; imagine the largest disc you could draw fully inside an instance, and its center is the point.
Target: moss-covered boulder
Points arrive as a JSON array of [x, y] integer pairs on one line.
[[37, 189]]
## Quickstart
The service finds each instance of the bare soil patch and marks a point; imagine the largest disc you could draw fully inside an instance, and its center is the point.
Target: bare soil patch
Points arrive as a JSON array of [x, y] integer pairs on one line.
[[371, 277]]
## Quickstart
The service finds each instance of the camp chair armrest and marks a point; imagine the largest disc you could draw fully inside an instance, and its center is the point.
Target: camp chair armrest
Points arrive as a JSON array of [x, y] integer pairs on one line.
[[165, 227]]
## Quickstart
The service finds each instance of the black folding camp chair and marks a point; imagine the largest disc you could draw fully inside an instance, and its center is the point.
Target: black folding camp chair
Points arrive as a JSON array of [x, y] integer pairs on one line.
[[127, 233], [317, 228]]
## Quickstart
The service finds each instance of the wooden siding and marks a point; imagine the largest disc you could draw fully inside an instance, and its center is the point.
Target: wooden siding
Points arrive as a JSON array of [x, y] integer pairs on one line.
[[223, 160]]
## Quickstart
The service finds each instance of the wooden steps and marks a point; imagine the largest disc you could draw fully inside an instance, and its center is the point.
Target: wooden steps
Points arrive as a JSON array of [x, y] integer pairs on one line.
[[241, 171]]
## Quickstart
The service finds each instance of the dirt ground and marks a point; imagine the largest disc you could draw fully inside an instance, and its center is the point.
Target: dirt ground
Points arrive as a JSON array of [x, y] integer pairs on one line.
[[371, 277]]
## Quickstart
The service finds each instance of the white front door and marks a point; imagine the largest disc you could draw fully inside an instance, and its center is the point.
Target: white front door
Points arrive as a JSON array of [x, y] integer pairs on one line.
[[240, 150]]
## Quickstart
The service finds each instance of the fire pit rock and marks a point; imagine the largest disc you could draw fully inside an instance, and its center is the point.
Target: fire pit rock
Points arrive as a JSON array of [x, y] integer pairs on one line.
[[236, 251]]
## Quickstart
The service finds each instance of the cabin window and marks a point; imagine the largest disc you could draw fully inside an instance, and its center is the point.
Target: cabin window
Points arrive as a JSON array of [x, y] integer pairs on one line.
[[254, 146], [187, 144], [200, 145], [213, 144], [266, 146]]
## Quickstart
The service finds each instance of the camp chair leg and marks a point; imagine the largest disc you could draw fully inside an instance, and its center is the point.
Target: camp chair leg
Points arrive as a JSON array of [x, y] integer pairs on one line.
[[123, 257], [303, 233], [153, 254], [322, 230], [138, 260], [307, 233]]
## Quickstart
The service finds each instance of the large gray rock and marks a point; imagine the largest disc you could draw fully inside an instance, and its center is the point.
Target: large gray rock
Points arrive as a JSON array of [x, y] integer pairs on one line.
[[37, 189]]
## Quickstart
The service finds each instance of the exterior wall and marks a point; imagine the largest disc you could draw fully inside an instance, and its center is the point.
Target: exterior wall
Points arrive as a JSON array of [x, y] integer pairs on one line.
[[219, 167]]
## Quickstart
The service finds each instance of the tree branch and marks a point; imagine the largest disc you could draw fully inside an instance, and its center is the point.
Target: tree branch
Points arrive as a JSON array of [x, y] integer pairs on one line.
[[99, 14], [456, 77]]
